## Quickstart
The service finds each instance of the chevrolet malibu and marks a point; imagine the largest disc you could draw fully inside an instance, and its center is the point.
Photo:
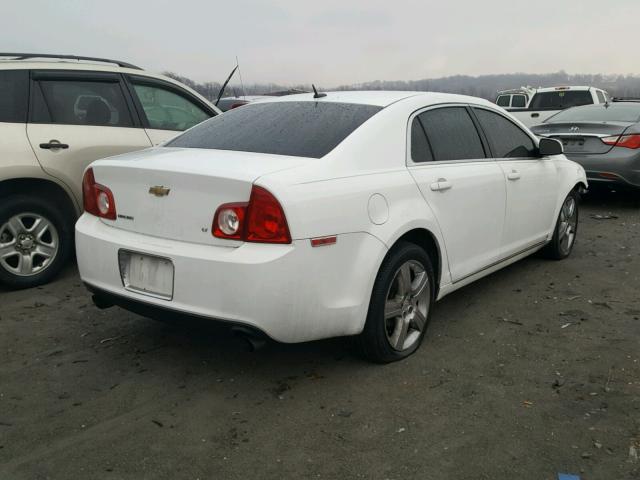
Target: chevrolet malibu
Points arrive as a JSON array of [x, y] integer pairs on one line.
[[322, 215]]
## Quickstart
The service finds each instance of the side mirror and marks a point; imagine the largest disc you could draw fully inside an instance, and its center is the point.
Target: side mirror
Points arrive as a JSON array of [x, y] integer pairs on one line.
[[550, 146]]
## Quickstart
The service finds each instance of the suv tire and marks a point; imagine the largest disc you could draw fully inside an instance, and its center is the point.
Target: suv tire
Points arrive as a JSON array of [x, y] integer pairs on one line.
[[36, 241]]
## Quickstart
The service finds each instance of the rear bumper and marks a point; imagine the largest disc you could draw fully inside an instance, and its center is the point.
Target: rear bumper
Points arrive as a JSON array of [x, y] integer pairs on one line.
[[620, 166], [292, 293]]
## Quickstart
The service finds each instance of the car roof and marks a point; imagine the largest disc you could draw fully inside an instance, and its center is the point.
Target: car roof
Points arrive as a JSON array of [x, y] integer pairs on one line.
[[380, 98], [565, 88]]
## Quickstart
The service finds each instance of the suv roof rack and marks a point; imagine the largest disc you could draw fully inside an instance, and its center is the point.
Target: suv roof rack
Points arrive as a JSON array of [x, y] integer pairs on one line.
[[27, 56]]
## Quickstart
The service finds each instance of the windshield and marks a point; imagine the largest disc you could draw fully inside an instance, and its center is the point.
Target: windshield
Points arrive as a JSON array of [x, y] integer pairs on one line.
[[560, 100], [629, 113], [301, 129]]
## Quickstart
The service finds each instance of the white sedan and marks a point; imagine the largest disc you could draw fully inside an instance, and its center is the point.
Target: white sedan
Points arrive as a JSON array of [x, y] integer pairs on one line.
[[306, 217]]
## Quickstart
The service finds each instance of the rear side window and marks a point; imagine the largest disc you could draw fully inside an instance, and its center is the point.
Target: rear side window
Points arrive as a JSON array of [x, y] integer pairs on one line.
[[301, 129], [519, 101], [600, 95], [74, 102], [14, 91], [420, 149], [503, 100], [452, 134], [560, 100], [507, 139]]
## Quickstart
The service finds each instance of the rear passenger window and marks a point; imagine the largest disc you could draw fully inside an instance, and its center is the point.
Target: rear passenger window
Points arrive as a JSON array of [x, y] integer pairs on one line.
[[452, 134], [14, 85], [74, 102], [601, 98], [506, 138], [518, 101], [420, 149]]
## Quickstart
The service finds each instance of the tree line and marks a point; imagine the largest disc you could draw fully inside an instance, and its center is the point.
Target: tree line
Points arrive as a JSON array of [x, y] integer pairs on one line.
[[484, 86]]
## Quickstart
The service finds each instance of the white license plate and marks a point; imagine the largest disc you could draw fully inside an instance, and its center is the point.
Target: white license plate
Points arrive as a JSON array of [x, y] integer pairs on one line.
[[146, 274]]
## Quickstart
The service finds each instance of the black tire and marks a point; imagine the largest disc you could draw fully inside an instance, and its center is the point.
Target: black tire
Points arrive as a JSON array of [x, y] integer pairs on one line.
[[374, 343], [554, 249], [63, 224]]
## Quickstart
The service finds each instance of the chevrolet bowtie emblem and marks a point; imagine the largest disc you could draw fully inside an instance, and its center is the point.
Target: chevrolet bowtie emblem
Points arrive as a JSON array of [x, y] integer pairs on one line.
[[159, 191]]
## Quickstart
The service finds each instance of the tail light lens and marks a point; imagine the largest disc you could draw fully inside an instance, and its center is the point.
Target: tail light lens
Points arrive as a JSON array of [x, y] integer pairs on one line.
[[625, 141], [262, 220], [97, 199]]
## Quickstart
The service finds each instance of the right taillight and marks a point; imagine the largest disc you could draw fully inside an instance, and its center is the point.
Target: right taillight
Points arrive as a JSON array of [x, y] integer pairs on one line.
[[262, 220], [97, 199], [625, 141]]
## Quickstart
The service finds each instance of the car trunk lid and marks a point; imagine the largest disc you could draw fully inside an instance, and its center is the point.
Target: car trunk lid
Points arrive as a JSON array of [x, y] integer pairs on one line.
[[582, 137], [173, 193]]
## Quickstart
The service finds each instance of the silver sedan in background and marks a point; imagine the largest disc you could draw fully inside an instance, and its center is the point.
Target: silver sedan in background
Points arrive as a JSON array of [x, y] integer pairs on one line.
[[604, 139]]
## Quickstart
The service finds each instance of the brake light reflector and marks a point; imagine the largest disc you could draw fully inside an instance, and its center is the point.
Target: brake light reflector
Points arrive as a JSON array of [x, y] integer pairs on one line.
[[262, 220], [97, 199], [625, 141]]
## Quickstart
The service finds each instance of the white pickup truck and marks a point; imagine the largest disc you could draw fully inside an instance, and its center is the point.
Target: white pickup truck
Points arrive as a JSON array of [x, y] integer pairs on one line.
[[549, 101]]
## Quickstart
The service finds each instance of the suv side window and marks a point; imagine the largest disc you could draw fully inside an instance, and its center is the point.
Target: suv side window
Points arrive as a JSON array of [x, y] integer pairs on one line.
[[14, 93], [507, 140], [165, 109], [452, 134], [80, 102]]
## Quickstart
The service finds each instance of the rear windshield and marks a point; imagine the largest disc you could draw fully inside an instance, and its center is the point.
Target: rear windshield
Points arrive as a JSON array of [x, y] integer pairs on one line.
[[560, 100], [629, 113], [300, 129]]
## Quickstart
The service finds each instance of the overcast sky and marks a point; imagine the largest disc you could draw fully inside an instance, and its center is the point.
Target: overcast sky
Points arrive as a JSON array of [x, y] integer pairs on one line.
[[333, 42]]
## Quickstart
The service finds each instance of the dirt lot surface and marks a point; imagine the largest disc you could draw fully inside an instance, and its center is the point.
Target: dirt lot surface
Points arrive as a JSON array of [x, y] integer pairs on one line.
[[529, 372]]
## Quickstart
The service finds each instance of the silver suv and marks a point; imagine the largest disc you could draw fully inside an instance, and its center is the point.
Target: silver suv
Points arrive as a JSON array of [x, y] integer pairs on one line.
[[58, 114]]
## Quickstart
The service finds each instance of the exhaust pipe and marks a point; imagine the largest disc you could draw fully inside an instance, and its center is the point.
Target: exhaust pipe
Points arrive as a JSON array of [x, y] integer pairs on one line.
[[252, 340]]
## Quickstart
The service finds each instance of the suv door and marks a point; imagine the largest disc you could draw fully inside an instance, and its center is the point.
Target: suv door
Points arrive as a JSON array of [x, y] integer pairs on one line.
[[464, 189], [166, 109], [79, 117], [531, 182]]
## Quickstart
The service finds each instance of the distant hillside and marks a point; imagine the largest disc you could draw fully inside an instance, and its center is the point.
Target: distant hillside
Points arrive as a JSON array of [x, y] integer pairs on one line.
[[484, 86]]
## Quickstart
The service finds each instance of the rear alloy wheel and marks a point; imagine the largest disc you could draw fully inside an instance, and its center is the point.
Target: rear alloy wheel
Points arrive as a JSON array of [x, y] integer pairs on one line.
[[35, 241], [564, 235], [400, 305]]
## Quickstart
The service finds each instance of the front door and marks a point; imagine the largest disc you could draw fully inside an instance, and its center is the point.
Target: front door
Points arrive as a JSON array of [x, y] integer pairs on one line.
[[531, 182], [464, 189], [79, 117]]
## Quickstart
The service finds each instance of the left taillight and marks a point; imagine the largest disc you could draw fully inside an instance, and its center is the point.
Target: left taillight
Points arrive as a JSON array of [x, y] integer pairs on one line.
[[97, 199], [262, 220], [625, 141]]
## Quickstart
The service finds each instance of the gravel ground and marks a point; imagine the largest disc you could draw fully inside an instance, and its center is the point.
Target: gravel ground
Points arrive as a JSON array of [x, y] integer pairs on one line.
[[529, 372]]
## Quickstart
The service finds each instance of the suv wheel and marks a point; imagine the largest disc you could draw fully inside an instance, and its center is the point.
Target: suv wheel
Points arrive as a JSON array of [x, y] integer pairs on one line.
[[35, 241]]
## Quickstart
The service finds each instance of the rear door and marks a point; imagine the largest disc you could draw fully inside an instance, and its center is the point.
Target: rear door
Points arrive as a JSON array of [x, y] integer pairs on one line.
[[166, 109], [78, 117], [531, 182], [464, 189]]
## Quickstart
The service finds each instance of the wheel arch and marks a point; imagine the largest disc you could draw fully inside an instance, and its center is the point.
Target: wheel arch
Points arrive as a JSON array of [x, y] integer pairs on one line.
[[427, 240], [40, 188]]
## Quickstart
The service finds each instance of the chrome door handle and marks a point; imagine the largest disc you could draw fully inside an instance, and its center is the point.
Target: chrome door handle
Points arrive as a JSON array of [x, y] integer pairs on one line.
[[441, 185], [513, 175]]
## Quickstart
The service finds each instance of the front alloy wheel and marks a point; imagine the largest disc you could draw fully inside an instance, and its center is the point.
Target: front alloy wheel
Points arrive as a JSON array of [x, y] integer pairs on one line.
[[564, 235]]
